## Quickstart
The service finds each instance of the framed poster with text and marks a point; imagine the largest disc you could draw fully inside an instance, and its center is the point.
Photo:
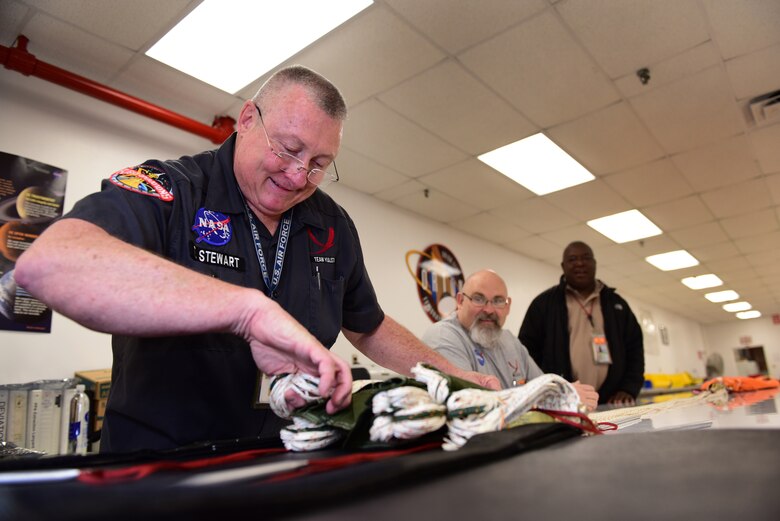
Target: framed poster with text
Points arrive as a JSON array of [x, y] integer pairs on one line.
[[31, 197]]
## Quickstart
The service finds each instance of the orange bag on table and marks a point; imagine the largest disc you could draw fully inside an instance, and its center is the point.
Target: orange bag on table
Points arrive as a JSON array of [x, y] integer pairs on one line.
[[743, 383]]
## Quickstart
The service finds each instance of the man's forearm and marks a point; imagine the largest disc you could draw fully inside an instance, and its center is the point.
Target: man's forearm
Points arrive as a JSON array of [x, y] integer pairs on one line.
[[393, 346], [108, 285]]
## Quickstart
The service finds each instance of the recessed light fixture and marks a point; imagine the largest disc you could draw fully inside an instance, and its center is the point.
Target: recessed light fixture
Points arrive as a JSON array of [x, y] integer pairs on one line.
[[625, 226], [737, 306], [722, 296], [209, 45], [744, 315], [672, 260], [538, 164], [702, 281]]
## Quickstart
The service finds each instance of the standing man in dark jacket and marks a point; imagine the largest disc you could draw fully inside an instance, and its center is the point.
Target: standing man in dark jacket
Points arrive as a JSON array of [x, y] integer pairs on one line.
[[583, 330]]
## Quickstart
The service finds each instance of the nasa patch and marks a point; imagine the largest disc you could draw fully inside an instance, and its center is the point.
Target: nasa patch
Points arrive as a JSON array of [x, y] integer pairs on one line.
[[212, 227], [146, 180]]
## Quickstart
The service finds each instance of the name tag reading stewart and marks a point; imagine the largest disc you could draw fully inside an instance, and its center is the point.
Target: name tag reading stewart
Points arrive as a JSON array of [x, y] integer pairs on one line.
[[217, 258]]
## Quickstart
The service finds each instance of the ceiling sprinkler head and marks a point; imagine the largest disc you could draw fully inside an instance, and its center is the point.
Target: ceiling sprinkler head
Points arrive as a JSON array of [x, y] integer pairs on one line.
[[644, 75]]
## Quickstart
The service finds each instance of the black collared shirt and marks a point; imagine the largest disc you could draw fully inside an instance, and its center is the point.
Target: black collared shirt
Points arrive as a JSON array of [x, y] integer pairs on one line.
[[170, 391]]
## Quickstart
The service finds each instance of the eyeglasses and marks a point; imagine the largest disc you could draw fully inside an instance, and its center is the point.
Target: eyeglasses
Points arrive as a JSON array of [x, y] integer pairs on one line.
[[316, 176], [480, 300]]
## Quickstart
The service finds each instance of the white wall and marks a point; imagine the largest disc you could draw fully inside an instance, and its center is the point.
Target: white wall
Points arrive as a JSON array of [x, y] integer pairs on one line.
[[725, 338], [92, 139]]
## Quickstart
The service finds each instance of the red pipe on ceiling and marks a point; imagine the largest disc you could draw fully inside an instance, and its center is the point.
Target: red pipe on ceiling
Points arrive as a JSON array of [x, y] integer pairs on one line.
[[17, 58]]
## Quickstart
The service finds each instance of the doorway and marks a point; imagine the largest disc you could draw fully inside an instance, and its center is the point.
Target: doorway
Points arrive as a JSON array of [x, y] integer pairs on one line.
[[751, 361]]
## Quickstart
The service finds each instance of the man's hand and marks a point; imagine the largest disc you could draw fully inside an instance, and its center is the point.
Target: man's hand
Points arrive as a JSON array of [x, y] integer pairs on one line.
[[487, 381], [621, 398], [588, 395], [280, 344]]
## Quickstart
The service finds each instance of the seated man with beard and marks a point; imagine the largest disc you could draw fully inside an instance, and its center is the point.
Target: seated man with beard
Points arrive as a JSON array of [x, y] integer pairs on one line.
[[473, 337]]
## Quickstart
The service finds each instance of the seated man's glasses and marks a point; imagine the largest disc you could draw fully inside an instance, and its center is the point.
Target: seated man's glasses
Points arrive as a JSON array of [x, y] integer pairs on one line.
[[480, 300], [316, 176]]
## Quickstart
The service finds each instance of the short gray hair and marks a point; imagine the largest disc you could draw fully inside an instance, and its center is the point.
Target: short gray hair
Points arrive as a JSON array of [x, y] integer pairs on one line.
[[324, 93]]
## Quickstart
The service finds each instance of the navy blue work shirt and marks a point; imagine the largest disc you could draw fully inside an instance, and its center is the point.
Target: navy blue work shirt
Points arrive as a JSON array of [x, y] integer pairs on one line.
[[172, 391]]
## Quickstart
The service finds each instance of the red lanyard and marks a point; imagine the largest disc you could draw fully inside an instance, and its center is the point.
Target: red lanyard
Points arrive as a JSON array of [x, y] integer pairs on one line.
[[588, 314]]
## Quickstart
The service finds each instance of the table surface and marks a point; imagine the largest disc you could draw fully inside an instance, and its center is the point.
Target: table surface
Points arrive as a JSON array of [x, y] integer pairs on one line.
[[751, 410], [703, 461], [713, 460]]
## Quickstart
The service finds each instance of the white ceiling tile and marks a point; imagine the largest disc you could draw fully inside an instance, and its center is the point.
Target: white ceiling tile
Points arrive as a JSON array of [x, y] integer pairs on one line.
[[623, 36], [474, 182], [722, 163], [551, 81], [753, 74], [680, 213], [369, 54], [589, 200], [536, 248], [365, 175], [580, 232], [634, 269], [730, 19], [614, 255], [134, 25], [725, 268], [58, 43], [668, 71], [456, 25], [750, 224], [489, 227], [652, 245], [737, 199], [710, 252], [764, 258], [12, 15], [758, 243], [773, 182], [655, 278], [397, 142], [693, 111], [650, 183], [534, 215], [436, 205], [607, 140], [191, 97], [765, 144], [700, 235], [740, 279], [449, 101], [396, 192]]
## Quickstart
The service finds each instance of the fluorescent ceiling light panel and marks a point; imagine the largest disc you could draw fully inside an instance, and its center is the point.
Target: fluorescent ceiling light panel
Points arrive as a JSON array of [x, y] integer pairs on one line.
[[231, 43], [722, 296], [744, 315], [737, 306], [625, 226], [538, 164], [673, 260], [702, 281]]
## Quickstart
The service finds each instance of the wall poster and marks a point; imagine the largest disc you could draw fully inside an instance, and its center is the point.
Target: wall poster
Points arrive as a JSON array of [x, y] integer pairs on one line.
[[439, 278], [31, 197]]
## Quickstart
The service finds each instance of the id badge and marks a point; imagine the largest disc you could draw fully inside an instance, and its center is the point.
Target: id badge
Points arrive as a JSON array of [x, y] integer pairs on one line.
[[600, 349], [262, 395]]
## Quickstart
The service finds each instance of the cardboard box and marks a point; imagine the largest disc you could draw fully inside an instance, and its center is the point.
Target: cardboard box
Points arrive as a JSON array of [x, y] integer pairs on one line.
[[97, 384]]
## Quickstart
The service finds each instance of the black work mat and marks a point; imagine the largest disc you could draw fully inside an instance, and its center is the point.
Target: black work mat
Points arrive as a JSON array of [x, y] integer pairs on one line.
[[158, 496], [689, 475]]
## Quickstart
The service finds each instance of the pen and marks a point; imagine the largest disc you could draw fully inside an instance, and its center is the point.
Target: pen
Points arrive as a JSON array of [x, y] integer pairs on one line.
[[319, 283]]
